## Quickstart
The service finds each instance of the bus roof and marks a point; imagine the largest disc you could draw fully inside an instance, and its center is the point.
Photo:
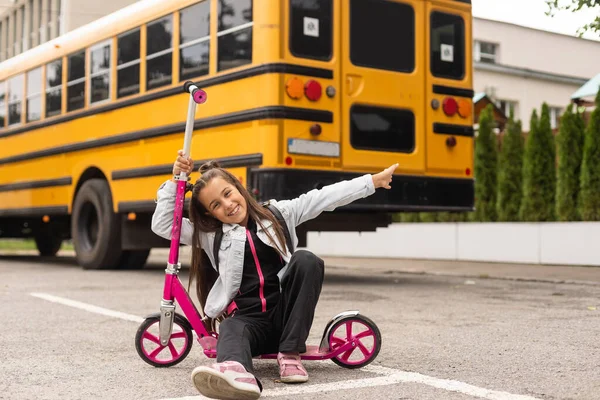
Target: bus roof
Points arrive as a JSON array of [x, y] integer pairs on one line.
[[101, 29]]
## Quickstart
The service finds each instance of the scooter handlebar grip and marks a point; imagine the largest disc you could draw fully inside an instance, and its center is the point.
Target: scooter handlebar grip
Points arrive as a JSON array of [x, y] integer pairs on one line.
[[187, 86]]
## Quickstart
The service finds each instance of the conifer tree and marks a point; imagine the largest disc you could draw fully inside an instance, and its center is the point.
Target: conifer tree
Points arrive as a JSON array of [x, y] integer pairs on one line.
[[539, 170], [510, 172], [590, 168], [486, 168], [570, 152]]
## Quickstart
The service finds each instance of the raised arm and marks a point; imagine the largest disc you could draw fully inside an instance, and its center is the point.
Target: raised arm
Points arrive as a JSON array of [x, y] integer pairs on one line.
[[313, 203], [162, 219]]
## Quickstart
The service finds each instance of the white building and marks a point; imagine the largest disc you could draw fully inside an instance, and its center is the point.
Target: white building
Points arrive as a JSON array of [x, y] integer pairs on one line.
[[525, 67], [26, 23]]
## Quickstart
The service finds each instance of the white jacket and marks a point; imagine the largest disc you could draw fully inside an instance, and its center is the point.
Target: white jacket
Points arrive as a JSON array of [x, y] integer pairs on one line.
[[231, 253]]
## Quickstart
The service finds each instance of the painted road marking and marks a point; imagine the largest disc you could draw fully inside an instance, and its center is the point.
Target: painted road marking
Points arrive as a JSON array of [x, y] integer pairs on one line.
[[88, 307], [390, 376]]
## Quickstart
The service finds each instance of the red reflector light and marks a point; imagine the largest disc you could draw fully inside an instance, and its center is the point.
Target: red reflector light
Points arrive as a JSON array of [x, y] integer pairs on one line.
[[468, 171], [315, 129], [288, 160], [450, 106], [313, 90]]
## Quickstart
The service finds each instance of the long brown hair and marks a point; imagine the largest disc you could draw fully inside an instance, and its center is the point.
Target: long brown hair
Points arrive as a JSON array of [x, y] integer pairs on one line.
[[205, 275]]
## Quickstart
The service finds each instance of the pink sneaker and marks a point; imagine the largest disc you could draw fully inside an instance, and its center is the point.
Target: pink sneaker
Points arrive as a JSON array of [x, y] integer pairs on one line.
[[291, 369], [228, 380]]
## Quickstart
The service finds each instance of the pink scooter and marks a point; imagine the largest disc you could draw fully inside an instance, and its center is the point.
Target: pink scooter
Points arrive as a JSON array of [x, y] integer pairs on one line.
[[164, 339]]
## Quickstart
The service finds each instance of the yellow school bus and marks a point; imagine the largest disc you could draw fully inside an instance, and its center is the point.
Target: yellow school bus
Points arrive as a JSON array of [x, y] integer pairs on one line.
[[302, 93]]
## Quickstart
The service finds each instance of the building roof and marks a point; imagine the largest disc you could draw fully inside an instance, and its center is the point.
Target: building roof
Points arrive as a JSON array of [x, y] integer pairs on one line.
[[589, 89]]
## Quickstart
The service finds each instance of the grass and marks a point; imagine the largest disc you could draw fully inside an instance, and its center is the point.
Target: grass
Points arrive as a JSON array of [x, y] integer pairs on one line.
[[28, 244]]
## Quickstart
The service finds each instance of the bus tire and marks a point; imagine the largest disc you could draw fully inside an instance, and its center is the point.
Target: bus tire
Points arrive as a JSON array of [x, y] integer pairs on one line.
[[134, 259], [95, 228], [47, 244]]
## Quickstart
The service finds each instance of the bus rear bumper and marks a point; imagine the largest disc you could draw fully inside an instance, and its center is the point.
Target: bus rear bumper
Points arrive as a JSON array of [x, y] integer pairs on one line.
[[408, 193]]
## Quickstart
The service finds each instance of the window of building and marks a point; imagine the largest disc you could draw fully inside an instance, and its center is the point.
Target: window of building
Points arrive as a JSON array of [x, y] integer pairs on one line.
[[49, 21], [486, 52], [59, 18], [42, 27], [555, 113], [76, 81], [447, 55], [234, 36], [159, 53], [506, 105], [2, 104], [382, 129], [34, 94], [31, 30], [194, 28], [100, 72], [311, 33], [53, 88], [128, 63], [373, 22], [15, 42], [24, 35], [15, 99]]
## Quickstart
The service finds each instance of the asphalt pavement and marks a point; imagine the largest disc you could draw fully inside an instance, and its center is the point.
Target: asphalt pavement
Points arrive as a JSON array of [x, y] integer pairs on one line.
[[449, 331]]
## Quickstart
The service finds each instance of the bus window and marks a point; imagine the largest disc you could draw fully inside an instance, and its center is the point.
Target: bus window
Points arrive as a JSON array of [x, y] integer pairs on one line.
[[382, 129], [234, 46], [53, 88], [447, 45], [310, 29], [2, 104], [159, 50], [34, 94], [373, 22], [100, 72], [194, 31], [76, 81], [15, 98], [128, 64]]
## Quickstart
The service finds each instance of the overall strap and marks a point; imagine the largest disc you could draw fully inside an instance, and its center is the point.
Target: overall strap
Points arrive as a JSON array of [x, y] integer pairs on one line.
[[217, 246], [286, 232]]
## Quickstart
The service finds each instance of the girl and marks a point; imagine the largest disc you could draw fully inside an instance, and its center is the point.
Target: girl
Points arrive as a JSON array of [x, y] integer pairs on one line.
[[268, 294]]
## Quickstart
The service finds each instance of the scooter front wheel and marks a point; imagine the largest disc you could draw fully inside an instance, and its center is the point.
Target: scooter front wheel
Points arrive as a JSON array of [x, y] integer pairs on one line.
[[147, 342], [364, 335]]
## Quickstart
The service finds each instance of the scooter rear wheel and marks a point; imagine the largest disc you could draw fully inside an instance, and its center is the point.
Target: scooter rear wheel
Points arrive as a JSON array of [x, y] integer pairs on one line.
[[147, 342], [364, 333]]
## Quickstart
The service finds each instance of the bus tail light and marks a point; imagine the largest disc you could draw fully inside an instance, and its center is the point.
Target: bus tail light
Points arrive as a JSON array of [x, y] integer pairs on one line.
[[464, 108], [450, 106], [294, 88], [313, 90], [315, 129], [451, 141]]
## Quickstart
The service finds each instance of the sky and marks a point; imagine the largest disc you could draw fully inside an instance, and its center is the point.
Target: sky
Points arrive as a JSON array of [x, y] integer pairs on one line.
[[531, 13]]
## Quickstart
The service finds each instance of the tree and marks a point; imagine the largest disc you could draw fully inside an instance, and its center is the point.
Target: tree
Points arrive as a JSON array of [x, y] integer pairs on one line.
[[575, 6], [510, 171], [590, 168], [486, 164], [539, 170], [570, 152]]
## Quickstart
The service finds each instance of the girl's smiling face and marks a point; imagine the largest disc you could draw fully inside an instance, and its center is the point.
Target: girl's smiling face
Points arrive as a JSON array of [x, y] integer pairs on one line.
[[224, 202]]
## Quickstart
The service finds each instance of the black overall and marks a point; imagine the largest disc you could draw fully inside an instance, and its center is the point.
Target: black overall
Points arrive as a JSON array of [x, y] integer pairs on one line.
[[267, 321]]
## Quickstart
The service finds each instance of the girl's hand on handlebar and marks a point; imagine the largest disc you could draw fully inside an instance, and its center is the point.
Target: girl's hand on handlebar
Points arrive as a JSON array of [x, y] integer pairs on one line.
[[183, 164], [384, 178]]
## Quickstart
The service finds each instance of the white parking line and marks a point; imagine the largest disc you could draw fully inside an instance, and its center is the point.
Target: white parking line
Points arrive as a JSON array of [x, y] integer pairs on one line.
[[88, 307], [390, 376]]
